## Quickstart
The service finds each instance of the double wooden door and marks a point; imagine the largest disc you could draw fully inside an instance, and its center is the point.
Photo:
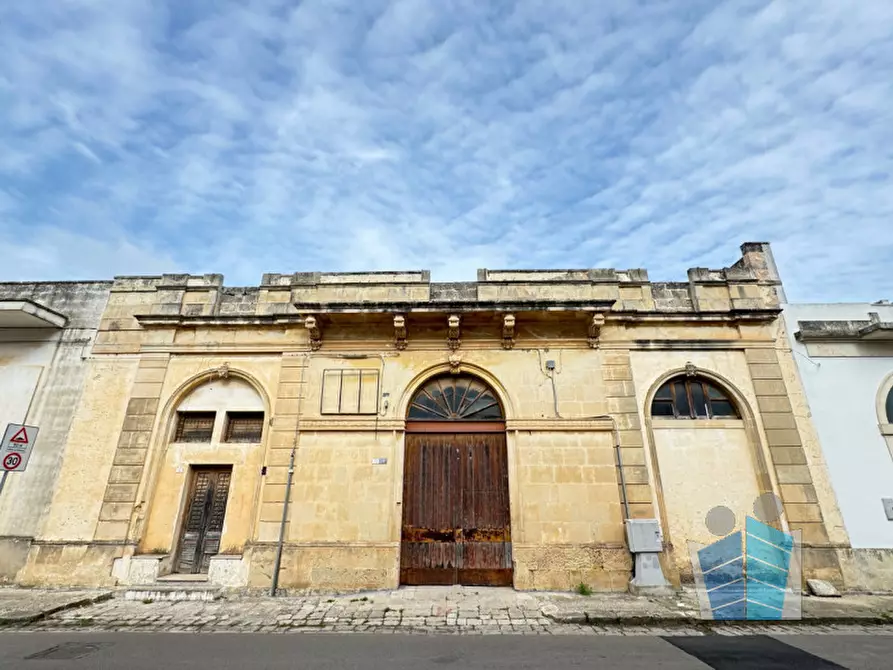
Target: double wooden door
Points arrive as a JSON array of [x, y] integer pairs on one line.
[[456, 523], [203, 523]]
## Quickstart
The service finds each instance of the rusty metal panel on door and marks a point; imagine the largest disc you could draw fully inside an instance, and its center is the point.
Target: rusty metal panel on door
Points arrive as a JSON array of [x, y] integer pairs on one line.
[[456, 527]]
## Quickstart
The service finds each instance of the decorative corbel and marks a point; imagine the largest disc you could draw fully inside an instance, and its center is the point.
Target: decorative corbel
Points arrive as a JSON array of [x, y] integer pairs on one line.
[[455, 363], [691, 370], [453, 332], [508, 331], [222, 372], [595, 329], [400, 332], [312, 327]]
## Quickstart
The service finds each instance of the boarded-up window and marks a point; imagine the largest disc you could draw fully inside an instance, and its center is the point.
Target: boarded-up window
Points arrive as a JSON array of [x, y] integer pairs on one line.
[[350, 392], [244, 426], [195, 426]]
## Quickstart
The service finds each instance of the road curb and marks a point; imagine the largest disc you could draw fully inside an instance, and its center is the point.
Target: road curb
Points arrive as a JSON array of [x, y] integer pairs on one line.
[[583, 618], [43, 614]]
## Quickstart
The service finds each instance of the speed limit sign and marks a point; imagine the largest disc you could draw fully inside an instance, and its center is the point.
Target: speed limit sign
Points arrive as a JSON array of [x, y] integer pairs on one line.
[[16, 448]]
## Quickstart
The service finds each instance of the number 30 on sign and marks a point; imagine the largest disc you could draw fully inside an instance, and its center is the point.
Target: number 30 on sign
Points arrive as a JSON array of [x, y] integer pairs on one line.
[[15, 450]]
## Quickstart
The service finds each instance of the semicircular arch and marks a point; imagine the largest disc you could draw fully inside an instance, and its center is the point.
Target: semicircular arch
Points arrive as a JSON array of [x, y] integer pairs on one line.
[[466, 370]]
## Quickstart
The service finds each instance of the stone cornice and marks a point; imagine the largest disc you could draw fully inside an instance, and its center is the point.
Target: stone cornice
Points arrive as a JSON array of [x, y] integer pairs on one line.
[[371, 423], [564, 424], [452, 306], [328, 310], [853, 331]]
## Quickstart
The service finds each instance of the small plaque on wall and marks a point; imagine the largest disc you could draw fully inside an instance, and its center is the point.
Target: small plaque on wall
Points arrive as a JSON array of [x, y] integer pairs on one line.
[[379, 461]]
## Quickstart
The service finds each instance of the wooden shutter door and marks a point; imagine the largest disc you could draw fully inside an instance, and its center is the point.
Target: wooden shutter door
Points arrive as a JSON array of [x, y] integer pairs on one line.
[[456, 525], [484, 528], [203, 524], [428, 549], [214, 524], [193, 524]]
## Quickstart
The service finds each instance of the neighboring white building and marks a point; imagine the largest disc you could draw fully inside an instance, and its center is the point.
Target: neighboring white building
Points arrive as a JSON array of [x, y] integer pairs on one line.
[[46, 331], [844, 353]]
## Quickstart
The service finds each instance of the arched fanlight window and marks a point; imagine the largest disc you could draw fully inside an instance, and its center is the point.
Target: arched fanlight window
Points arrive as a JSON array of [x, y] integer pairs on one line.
[[455, 398], [692, 398], [228, 410], [890, 406]]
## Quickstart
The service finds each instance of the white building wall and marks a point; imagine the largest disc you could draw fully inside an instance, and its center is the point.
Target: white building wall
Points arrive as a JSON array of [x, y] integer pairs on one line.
[[842, 382], [41, 377]]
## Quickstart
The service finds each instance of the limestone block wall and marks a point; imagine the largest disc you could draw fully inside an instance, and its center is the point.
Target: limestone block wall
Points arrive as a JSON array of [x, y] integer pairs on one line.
[[568, 523], [573, 369], [803, 502], [345, 514], [64, 551], [621, 396]]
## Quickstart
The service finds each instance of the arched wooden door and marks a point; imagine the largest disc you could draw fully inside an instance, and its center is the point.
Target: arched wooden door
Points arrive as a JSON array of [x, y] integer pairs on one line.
[[456, 523]]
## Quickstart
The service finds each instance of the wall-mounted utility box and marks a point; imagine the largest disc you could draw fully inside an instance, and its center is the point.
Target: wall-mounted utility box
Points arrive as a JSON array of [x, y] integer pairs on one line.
[[644, 536], [888, 507]]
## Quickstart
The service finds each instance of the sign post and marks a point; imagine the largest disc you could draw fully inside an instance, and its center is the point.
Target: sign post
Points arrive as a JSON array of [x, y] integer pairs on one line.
[[16, 448]]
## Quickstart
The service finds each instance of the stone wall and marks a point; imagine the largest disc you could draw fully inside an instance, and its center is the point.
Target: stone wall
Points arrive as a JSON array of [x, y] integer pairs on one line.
[[572, 355], [838, 382], [42, 372]]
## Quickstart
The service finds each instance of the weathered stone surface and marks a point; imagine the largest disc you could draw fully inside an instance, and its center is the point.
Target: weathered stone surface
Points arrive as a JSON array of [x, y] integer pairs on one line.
[[42, 376], [822, 589], [23, 606], [569, 386], [436, 610]]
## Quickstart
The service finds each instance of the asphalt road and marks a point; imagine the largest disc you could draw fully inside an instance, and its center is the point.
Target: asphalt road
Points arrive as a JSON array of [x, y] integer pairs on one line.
[[171, 651]]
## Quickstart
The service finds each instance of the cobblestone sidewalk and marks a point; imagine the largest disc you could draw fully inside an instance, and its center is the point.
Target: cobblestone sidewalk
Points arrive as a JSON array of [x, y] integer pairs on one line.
[[419, 610]]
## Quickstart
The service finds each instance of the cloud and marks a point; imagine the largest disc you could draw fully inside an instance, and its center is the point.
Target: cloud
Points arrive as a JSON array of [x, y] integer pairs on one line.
[[271, 136]]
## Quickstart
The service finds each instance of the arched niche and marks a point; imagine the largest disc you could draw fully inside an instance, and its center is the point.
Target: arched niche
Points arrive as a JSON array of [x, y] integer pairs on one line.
[[701, 457]]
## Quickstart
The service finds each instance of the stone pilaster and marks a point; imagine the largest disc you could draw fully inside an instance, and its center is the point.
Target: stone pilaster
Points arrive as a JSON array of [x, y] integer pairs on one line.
[[130, 455], [620, 398], [283, 436], [792, 471]]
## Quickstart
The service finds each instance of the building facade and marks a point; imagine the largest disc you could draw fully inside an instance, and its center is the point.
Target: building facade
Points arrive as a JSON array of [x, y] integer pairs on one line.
[[391, 430], [46, 330], [844, 353]]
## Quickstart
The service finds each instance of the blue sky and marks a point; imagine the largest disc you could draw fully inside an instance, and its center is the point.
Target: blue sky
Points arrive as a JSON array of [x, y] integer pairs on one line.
[[252, 136]]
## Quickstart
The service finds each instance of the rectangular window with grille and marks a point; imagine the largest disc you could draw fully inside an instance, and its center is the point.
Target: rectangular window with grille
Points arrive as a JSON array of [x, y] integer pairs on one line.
[[244, 426], [195, 426]]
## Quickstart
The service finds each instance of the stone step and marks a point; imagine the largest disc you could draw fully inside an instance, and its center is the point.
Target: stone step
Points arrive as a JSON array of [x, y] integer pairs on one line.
[[173, 591]]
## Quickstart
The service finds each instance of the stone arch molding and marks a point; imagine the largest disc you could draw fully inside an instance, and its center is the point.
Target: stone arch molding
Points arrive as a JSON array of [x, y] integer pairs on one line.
[[759, 457], [165, 427], [224, 371], [885, 422], [429, 373], [744, 408]]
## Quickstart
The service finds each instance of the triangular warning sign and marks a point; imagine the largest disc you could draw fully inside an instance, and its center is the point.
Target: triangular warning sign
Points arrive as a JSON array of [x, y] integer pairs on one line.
[[20, 437]]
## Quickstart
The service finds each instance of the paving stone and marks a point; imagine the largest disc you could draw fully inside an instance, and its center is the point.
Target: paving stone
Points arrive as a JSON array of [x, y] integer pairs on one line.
[[448, 611]]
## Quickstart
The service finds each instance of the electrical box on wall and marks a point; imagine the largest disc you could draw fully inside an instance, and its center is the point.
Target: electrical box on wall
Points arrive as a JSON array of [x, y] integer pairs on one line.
[[888, 507], [644, 536]]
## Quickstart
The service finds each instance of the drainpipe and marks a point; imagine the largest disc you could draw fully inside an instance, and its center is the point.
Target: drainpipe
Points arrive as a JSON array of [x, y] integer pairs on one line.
[[278, 563], [274, 585], [642, 537], [616, 433], [620, 468]]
